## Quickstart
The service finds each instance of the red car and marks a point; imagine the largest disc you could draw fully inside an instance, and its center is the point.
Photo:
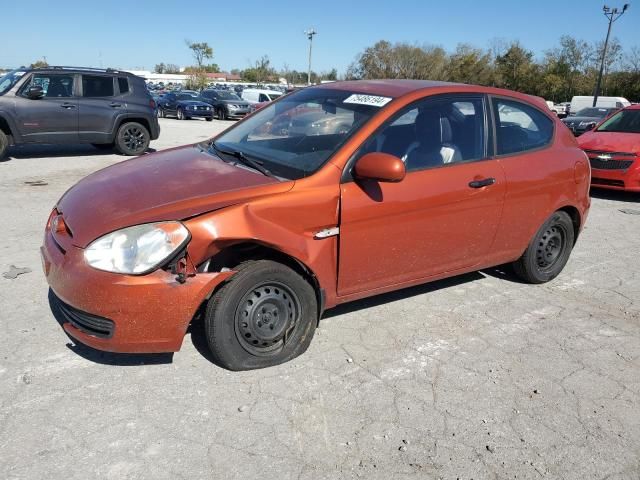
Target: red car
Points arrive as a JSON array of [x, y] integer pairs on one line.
[[613, 148], [373, 187]]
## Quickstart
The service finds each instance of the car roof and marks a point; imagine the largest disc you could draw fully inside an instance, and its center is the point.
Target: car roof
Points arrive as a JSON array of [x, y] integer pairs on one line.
[[398, 88], [635, 106]]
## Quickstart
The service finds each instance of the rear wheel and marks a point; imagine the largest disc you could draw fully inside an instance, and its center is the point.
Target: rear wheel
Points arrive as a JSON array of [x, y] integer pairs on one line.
[[4, 144], [549, 251], [132, 139], [266, 314]]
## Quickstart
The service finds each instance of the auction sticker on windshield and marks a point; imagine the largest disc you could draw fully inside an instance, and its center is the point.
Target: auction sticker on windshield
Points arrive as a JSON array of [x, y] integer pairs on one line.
[[372, 100]]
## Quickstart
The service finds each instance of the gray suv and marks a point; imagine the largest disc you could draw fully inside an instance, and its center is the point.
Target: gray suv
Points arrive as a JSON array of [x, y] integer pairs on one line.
[[66, 105]]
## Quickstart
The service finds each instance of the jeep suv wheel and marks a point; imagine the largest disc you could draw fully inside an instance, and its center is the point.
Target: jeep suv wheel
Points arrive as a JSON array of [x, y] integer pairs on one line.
[[132, 139], [4, 144]]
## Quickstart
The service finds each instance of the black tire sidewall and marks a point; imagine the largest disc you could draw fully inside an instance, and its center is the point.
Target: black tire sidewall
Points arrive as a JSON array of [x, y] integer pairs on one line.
[[529, 260], [122, 148], [223, 305], [4, 144]]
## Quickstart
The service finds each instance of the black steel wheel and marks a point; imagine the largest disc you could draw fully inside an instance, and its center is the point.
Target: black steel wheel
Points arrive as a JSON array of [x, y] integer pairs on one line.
[[549, 251], [132, 139], [266, 314]]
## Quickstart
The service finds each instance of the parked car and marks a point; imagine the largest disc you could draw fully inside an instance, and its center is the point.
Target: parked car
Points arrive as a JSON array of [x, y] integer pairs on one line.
[[586, 119], [184, 106], [613, 148], [64, 105], [226, 104], [264, 233], [580, 102], [559, 109], [254, 95]]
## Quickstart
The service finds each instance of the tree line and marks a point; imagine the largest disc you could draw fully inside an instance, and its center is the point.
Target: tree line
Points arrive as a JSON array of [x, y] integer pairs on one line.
[[566, 70]]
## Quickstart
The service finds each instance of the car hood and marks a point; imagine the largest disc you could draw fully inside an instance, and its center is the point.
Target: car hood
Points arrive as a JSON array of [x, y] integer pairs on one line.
[[243, 103], [581, 119], [610, 142], [193, 102], [170, 185]]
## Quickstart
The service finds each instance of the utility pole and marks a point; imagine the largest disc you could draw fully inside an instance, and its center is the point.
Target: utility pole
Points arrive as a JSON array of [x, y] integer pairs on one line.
[[310, 33], [612, 14]]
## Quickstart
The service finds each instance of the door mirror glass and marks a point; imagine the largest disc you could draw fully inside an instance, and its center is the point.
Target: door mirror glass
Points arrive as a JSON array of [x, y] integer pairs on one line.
[[381, 167], [35, 92]]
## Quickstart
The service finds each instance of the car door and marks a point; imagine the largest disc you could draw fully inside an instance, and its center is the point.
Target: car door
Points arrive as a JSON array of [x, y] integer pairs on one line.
[[442, 217], [99, 108], [170, 103], [52, 118]]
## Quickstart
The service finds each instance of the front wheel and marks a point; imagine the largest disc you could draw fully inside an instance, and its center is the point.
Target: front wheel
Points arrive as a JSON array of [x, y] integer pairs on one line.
[[132, 139], [265, 315], [549, 251], [180, 114], [222, 114], [160, 112], [4, 144]]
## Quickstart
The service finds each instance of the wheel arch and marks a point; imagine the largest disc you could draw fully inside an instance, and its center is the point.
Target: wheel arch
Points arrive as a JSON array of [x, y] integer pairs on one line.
[[576, 219], [131, 118], [235, 252]]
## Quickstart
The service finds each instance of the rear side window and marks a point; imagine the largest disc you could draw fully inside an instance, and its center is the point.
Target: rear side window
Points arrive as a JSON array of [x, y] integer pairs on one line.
[[263, 98], [123, 85], [97, 86], [520, 127]]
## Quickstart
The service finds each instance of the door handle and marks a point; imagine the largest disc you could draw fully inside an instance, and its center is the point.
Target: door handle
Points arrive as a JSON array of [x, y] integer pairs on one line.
[[116, 105], [68, 105], [482, 183]]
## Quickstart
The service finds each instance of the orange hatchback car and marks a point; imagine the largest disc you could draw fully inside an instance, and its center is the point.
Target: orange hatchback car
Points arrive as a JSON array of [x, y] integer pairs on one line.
[[327, 195]]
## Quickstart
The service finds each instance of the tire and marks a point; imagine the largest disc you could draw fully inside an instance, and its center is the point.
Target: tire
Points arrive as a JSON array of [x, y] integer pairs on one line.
[[549, 251], [180, 114], [132, 139], [209, 119], [160, 112], [222, 114], [103, 146], [4, 144], [267, 338]]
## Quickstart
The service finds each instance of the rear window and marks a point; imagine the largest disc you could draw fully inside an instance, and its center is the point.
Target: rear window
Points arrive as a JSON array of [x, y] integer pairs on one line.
[[123, 84], [520, 127], [97, 86]]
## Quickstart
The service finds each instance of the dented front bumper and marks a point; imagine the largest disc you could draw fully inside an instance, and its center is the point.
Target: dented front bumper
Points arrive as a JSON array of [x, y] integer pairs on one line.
[[150, 313]]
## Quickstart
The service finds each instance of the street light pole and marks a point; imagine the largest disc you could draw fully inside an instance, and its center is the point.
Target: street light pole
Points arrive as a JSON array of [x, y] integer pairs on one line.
[[612, 14], [310, 33]]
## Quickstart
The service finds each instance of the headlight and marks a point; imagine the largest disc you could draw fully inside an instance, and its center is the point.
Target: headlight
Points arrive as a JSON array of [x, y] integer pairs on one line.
[[137, 250]]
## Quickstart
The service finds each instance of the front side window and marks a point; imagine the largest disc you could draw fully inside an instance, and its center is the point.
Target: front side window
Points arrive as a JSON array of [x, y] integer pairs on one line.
[[520, 127], [627, 121], [433, 133], [97, 86], [295, 136], [53, 85]]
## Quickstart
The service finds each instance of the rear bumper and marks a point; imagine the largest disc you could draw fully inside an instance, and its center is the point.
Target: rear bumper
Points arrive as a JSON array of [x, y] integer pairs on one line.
[[155, 128], [122, 313]]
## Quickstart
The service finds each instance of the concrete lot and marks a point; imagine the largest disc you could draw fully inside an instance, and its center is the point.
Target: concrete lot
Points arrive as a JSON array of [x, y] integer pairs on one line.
[[475, 377]]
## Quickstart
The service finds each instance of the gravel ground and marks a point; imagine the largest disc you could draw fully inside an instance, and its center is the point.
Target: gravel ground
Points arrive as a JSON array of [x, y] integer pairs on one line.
[[475, 377]]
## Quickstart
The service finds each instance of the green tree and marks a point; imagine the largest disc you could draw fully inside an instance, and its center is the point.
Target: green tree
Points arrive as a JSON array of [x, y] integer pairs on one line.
[[470, 65], [200, 51], [515, 68], [39, 64]]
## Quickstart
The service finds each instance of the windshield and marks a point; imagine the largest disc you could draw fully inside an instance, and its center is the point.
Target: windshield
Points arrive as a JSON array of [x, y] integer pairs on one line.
[[623, 121], [295, 136], [9, 80], [227, 95], [593, 112]]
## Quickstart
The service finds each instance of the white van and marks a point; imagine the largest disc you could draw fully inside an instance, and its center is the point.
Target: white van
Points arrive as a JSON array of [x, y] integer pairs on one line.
[[255, 95], [580, 102]]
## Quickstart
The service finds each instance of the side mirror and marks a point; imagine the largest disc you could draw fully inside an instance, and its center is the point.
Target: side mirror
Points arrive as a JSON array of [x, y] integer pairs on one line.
[[35, 92], [381, 167]]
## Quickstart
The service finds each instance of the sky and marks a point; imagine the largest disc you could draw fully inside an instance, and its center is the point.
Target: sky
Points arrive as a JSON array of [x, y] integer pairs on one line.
[[130, 34]]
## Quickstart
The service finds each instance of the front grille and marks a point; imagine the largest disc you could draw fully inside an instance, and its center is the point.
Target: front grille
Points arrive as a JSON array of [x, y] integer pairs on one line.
[[86, 322], [613, 154], [610, 164], [606, 181]]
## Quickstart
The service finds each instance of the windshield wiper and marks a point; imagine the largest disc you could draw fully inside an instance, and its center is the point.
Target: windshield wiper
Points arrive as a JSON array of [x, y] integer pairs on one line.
[[242, 158]]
